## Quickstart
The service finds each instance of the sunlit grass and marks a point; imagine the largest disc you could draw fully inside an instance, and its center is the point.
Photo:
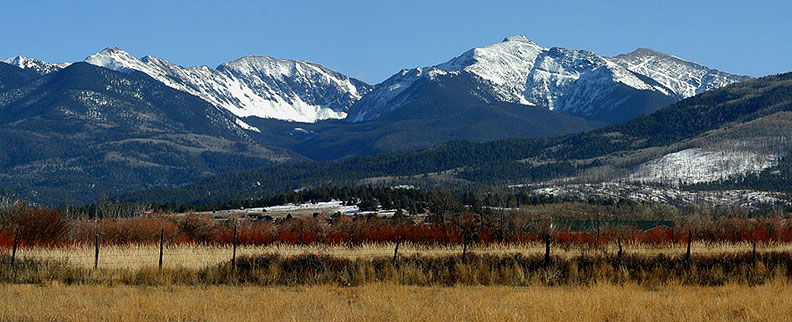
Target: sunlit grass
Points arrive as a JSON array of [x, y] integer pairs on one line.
[[387, 302]]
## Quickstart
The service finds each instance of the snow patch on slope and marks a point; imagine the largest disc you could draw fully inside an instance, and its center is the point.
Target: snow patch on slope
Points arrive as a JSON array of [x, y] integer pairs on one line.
[[246, 126], [696, 166], [617, 191]]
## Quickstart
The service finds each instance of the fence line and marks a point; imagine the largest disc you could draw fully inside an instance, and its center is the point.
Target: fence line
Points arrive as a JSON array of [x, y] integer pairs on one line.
[[115, 256]]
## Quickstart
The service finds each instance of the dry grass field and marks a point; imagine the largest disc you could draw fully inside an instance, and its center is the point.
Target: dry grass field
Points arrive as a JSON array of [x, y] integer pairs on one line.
[[198, 256], [341, 283], [383, 302]]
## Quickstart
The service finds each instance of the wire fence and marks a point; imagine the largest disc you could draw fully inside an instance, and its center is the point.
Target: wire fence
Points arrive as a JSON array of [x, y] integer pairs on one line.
[[201, 256]]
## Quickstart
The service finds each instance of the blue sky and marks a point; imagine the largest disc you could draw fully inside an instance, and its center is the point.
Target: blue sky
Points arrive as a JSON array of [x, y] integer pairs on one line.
[[371, 40]]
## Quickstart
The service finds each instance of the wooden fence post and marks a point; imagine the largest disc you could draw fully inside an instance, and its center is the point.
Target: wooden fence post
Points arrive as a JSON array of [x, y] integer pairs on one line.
[[96, 254], [621, 252], [16, 244], [690, 241], [396, 250], [547, 249], [233, 256], [464, 252], [753, 253], [162, 241]]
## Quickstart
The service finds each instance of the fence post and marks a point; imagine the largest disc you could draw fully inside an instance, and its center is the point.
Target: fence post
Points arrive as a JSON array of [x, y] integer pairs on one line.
[[464, 252], [621, 252], [96, 254], [753, 253], [16, 243], [547, 249], [162, 241], [396, 250], [690, 241], [233, 256]]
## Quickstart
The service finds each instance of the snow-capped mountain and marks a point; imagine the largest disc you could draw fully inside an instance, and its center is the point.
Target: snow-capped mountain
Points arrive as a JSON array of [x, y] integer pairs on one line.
[[684, 78], [516, 70], [579, 82], [40, 67], [257, 86]]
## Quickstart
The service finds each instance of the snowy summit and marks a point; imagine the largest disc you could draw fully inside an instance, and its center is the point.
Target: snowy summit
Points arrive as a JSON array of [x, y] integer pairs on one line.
[[517, 70], [257, 86]]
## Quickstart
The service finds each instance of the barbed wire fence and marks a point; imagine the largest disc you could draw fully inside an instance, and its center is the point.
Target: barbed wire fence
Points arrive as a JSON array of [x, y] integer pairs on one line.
[[164, 254]]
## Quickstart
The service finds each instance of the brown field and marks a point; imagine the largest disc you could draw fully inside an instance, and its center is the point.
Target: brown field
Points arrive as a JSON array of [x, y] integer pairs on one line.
[[197, 284], [381, 302], [198, 256]]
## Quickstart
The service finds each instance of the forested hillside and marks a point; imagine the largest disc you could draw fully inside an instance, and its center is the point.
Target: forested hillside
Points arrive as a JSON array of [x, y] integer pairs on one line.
[[735, 112], [72, 135]]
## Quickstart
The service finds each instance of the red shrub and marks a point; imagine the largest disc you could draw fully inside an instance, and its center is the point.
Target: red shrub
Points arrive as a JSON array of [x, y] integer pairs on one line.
[[197, 227], [39, 226]]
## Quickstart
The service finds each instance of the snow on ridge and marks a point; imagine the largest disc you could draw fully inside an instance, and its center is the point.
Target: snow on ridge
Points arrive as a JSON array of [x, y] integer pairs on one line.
[[516, 70], [39, 66], [684, 78], [519, 71], [256, 86], [696, 166], [285, 68], [387, 96]]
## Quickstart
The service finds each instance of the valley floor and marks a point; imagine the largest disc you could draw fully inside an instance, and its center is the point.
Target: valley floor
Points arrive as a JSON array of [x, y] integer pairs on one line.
[[377, 302]]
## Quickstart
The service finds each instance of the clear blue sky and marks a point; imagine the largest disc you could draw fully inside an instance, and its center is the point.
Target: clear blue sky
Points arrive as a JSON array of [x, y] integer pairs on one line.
[[373, 39]]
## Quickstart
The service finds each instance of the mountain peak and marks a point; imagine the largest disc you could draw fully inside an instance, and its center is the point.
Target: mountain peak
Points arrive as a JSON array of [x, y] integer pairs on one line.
[[648, 52], [15, 60], [518, 38], [116, 59], [255, 58], [642, 50], [112, 51]]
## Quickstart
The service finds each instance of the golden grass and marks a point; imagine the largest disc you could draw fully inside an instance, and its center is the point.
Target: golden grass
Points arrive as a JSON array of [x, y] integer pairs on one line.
[[198, 256], [380, 302]]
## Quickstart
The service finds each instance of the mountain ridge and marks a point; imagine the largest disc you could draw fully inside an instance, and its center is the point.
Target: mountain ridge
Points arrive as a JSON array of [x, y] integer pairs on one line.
[[259, 86], [516, 70], [41, 67]]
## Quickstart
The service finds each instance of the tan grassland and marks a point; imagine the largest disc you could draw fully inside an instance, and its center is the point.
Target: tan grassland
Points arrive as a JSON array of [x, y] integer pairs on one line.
[[198, 256], [384, 302]]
